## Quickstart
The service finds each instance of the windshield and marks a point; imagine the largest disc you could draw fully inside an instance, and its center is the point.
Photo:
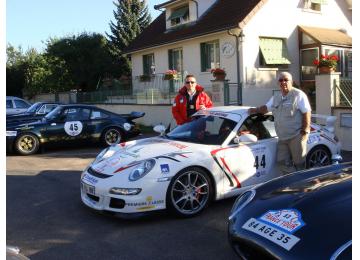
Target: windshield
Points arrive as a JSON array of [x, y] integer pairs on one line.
[[33, 107], [54, 114], [203, 130]]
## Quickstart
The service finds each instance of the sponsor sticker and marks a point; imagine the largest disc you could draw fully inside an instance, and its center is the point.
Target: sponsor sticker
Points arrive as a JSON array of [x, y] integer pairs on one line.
[[181, 100], [73, 128], [165, 168], [313, 139], [277, 226], [90, 179]]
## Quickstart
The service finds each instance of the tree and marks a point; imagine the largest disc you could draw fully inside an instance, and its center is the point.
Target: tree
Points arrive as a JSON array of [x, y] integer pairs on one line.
[[131, 18]]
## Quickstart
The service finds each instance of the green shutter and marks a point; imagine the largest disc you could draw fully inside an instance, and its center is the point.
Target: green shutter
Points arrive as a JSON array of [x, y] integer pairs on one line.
[[179, 13], [203, 56], [146, 67], [274, 51], [171, 64]]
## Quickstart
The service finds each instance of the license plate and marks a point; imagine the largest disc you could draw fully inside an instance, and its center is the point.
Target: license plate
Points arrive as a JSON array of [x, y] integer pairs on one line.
[[283, 239], [86, 188]]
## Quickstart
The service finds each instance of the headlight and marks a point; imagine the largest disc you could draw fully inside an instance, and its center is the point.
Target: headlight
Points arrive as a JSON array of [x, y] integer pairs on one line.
[[127, 126], [141, 170], [11, 133], [241, 202], [125, 191]]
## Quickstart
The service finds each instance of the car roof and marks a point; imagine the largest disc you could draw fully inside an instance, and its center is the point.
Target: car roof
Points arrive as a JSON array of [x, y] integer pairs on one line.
[[240, 110]]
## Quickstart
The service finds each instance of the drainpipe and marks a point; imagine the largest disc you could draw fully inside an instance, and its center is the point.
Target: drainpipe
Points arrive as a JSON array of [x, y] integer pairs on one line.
[[239, 37], [197, 8]]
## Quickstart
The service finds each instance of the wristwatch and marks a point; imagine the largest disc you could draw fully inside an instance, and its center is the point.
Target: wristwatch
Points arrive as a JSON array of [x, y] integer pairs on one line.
[[304, 132]]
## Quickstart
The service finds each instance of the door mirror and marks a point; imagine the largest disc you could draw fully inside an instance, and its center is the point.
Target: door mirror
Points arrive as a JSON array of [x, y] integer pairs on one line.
[[160, 129], [245, 138]]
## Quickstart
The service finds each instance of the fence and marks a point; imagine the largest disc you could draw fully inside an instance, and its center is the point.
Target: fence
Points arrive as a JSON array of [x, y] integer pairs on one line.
[[343, 93]]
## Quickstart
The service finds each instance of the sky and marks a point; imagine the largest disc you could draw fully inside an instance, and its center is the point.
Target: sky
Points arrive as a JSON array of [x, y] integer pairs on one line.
[[30, 23]]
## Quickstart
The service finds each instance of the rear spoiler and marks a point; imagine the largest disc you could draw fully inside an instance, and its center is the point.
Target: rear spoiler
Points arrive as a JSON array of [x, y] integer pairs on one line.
[[133, 115], [324, 121]]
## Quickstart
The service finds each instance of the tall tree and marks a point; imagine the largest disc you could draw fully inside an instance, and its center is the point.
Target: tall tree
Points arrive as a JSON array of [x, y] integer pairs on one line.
[[131, 18]]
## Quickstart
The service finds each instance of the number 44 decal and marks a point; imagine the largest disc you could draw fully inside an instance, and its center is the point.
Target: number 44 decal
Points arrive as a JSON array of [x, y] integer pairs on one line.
[[262, 161]]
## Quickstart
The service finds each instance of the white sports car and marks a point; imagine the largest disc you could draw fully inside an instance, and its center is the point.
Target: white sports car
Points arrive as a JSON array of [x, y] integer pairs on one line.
[[219, 153]]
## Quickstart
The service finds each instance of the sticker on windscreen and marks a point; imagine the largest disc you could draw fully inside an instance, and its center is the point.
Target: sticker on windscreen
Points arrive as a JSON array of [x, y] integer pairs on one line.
[[73, 128]]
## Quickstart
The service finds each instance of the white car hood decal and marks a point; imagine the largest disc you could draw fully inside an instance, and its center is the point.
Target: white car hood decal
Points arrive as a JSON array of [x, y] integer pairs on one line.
[[129, 154]]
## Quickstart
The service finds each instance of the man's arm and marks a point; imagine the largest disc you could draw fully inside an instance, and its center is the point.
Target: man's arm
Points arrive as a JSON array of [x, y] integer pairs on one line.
[[261, 109], [306, 120]]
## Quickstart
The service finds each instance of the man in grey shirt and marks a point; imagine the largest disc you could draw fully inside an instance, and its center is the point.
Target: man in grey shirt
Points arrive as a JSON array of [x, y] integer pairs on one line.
[[292, 114]]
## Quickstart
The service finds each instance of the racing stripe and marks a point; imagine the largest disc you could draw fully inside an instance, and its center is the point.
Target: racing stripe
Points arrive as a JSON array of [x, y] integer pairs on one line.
[[227, 167], [125, 167], [328, 138], [229, 178]]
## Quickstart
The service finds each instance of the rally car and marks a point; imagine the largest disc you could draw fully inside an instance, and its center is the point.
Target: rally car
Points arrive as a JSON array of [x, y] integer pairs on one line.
[[304, 215], [220, 152], [72, 124]]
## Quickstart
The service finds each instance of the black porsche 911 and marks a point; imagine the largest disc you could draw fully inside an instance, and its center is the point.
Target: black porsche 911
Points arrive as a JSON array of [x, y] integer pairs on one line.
[[35, 112], [72, 124], [304, 215]]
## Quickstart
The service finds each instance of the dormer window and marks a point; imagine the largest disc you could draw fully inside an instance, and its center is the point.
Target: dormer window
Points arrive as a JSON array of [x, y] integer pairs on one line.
[[314, 5], [179, 15]]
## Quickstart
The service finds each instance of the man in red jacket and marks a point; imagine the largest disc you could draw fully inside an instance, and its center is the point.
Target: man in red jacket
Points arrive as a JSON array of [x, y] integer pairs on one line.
[[190, 99]]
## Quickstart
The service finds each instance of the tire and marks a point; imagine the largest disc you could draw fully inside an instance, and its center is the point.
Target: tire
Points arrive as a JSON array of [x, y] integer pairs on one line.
[[27, 144], [187, 199], [318, 156], [112, 135]]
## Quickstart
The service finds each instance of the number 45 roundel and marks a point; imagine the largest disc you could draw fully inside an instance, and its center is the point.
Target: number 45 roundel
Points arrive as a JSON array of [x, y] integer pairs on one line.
[[73, 128]]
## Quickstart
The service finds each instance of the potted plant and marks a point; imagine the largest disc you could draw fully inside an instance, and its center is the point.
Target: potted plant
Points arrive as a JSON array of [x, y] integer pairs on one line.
[[219, 74], [170, 75], [326, 63]]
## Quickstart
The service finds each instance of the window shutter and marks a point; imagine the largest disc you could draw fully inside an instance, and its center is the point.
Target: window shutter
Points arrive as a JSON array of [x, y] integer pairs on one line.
[[203, 56], [171, 63], [274, 51]]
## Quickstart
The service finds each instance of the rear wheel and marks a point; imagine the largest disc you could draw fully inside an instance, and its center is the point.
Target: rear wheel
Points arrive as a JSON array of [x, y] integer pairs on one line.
[[318, 156], [27, 144], [112, 136], [189, 192]]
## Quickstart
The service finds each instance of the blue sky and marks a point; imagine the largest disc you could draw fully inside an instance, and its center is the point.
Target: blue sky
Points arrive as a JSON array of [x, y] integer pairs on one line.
[[30, 23]]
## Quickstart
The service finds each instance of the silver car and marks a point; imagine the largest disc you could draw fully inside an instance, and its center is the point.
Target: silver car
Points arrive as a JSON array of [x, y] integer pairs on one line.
[[15, 105]]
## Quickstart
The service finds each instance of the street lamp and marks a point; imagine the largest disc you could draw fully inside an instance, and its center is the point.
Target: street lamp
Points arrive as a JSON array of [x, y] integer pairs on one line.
[[239, 37]]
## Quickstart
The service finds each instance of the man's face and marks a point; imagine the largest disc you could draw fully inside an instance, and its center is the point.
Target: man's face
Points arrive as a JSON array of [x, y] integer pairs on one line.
[[190, 84], [285, 85]]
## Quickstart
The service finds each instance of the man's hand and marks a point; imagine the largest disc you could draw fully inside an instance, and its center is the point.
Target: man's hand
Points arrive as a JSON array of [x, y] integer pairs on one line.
[[253, 110], [202, 107]]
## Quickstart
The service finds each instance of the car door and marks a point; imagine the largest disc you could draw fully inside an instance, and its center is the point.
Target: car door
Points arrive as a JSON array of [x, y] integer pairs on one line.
[[249, 163], [71, 125]]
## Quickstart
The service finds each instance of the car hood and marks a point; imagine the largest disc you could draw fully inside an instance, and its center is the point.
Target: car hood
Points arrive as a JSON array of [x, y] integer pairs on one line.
[[129, 154], [19, 115]]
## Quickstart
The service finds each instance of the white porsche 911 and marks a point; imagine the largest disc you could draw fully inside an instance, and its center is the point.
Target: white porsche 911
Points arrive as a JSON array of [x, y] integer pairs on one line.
[[219, 153]]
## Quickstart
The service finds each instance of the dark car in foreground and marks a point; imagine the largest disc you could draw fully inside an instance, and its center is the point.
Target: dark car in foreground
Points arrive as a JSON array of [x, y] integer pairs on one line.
[[304, 215], [71, 124], [35, 112]]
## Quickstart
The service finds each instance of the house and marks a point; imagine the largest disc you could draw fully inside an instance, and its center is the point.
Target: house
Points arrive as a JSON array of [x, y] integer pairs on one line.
[[251, 39]]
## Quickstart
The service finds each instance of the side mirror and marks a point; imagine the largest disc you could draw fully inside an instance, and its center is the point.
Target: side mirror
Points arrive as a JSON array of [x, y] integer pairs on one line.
[[245, 138], [159, 129]]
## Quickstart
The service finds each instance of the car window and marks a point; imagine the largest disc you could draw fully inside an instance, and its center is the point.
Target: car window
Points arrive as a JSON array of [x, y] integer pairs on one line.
[[75, 114], [9, 104], [21, 104], [97, 114], [255, 125], [46, 108], [204, 130]]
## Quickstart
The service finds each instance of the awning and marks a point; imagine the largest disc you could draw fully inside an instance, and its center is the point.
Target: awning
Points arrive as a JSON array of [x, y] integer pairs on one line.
[[274, 51], [179, 13], [322, 2], [327, 36]]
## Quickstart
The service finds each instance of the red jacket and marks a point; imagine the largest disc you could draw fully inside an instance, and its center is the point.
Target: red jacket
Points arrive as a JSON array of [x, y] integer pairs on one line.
[[179, 106]]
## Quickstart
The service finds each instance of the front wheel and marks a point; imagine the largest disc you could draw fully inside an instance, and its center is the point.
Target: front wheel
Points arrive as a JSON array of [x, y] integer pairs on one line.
[[317, 157], [112, 136], [189, 192], [27, 144]]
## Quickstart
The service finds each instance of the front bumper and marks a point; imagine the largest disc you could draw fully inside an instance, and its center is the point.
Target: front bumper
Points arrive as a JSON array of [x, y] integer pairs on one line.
[[149, 199]]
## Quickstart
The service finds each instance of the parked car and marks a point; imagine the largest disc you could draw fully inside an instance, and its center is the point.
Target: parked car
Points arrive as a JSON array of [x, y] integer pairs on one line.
[[15, 105], [72, 124], [35, 112], [303, 215], [216, 155]]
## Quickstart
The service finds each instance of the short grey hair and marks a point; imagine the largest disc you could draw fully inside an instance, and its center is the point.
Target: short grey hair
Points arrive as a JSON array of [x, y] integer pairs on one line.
[[285, 74]]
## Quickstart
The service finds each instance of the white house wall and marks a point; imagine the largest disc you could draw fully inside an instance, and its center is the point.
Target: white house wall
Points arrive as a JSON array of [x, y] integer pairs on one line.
[[276, 18]]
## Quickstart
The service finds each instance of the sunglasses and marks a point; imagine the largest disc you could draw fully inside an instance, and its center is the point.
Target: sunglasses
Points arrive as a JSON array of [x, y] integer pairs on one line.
[[281, 80], [188, 82]]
